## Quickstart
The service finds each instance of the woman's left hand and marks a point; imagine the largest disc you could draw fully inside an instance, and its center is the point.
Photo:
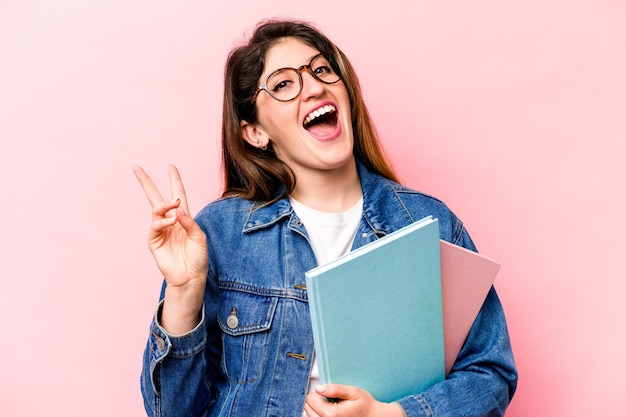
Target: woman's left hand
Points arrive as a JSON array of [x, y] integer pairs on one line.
[[352, 402]]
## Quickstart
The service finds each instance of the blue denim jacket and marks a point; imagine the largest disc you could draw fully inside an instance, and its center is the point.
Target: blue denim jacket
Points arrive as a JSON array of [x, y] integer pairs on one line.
[[251, 355]]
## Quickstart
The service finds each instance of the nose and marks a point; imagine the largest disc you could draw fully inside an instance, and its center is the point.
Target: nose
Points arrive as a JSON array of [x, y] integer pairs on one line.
[[311, 86]]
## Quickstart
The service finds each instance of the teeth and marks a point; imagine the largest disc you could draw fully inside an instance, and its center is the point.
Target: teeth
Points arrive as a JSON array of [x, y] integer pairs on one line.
[[319, 112]]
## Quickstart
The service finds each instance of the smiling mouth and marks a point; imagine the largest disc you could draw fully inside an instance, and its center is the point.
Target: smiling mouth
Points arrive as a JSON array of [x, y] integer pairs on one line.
[[322, 121]]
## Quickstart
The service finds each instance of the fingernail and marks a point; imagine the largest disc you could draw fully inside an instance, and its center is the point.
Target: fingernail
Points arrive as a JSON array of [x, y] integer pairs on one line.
[[320, 389]]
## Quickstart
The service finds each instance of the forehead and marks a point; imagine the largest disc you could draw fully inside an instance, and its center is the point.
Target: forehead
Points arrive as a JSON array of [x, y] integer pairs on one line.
[[288, 53]]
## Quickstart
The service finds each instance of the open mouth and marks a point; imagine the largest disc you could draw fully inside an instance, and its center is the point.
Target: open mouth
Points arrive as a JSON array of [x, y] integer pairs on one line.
[[322, 121]]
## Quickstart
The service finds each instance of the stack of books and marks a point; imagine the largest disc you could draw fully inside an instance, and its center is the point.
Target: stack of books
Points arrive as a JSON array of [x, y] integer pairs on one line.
[[392, 316]]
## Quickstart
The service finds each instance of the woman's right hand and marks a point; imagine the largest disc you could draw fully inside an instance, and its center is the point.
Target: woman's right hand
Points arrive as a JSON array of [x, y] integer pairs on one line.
[[180, 250]]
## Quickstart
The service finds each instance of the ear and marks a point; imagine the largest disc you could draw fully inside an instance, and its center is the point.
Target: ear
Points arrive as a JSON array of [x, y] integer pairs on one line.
[[253, 134]]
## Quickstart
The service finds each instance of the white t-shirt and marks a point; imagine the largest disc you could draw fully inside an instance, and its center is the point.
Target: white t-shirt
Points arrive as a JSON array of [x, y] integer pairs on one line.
[[331, 235]]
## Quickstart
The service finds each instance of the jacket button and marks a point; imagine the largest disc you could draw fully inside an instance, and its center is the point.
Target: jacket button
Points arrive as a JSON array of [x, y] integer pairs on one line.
[[232, 321], [160, 343]]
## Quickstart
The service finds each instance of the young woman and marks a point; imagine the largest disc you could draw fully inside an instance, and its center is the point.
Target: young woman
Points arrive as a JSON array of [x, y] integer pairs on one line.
[[305, 182]]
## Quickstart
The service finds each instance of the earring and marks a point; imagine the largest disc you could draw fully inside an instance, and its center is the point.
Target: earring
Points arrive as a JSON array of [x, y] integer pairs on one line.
[[258, 144]]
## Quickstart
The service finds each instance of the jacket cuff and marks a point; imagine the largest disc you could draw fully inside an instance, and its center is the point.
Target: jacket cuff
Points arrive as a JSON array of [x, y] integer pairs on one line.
[[415, 406], [165, 344]]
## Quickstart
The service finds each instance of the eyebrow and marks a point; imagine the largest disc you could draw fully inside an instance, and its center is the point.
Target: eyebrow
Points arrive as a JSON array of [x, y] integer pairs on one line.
[[277, 69]]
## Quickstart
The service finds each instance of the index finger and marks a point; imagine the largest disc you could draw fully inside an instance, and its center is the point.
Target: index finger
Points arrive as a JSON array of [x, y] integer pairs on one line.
[[149, 189]]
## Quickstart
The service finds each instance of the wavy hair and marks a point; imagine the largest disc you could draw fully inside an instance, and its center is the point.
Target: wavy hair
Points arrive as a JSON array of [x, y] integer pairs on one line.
[[259, 175]]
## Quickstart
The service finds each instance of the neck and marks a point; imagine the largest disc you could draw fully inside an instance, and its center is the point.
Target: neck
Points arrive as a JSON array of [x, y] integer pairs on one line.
[[331, 191]]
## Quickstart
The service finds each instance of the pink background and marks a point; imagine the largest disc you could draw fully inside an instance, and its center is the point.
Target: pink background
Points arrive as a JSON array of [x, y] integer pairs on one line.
[[514, 113]]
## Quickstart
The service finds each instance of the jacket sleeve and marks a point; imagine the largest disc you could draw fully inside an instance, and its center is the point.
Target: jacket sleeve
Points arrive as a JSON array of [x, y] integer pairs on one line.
[[179, 372], [483, 378]]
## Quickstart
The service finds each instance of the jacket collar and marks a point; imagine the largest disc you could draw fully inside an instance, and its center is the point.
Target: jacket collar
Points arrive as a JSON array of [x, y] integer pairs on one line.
[[383, 209]]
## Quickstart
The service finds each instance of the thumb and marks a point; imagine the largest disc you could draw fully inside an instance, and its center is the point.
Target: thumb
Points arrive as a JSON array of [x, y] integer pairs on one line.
[[336, 391]]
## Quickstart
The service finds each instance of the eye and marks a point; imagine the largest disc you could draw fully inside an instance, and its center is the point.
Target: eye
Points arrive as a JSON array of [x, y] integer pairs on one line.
[[323, 70], [281, 85], [283, 80], [321, 67]]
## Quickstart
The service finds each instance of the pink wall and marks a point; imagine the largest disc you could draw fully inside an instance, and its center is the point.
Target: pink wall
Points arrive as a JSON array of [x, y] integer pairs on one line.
[[514, 113]]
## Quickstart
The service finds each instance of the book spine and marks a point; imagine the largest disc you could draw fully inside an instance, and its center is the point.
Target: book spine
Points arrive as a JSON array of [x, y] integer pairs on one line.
[[317, 322]]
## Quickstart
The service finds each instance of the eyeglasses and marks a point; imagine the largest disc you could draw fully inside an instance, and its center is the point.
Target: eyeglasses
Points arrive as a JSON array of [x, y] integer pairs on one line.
[[285, 84]]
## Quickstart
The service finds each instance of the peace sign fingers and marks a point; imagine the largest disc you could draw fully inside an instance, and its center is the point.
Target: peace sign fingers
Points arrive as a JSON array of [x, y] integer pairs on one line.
[[179, 247]]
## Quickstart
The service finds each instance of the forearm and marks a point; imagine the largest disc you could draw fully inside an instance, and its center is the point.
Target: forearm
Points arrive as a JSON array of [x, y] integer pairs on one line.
[[182, 309]]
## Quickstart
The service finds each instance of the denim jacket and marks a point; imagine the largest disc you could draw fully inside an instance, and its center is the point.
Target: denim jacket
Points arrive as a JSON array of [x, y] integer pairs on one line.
[[251, 354]]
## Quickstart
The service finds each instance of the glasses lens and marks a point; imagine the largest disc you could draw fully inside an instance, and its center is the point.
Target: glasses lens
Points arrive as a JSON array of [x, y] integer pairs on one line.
[[323, 71], [284, 84]]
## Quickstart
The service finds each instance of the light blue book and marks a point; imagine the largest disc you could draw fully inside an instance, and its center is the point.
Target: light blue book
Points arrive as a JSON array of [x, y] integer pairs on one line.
[[377, 314]]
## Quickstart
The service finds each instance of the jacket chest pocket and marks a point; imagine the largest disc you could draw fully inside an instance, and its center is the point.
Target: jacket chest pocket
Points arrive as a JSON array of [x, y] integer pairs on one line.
[[245, 320]]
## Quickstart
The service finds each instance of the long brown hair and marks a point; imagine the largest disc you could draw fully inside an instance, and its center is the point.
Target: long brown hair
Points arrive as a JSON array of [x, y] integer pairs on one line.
[[257, 174]]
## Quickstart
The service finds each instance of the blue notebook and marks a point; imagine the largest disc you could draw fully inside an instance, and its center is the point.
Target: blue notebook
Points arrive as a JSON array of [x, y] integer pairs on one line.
[[377, 314]]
